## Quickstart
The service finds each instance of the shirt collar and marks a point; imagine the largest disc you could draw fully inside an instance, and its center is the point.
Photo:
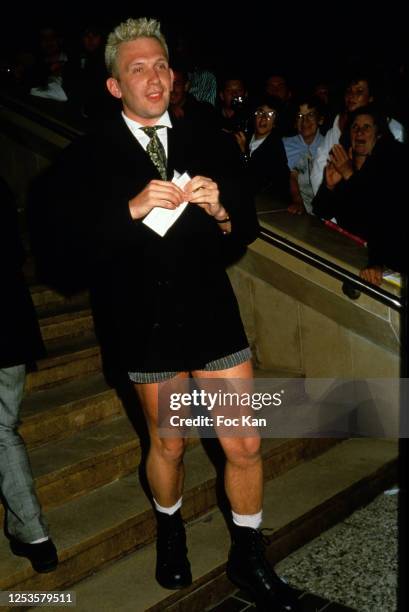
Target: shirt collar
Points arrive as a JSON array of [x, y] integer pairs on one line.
[[164, 120], [255, 140], [313, 143]]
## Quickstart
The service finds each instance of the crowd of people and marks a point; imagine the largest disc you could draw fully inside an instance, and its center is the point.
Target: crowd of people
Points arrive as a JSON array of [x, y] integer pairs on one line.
[[284, 133]]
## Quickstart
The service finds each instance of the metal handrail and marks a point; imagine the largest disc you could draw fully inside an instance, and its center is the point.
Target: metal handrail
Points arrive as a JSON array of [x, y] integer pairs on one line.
[[378, 294]]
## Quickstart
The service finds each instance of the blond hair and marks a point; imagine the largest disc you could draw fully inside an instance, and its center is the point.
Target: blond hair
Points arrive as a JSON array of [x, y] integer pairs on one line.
[[129, 30]]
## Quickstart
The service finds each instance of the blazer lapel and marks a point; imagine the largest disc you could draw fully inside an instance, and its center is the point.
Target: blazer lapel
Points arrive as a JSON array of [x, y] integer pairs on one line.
[[176, 152], [133, 154]]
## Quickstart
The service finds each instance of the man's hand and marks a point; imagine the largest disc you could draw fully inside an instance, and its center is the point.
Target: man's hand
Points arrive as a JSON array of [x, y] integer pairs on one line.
[[205, 193], [156, 193], [372, 274]]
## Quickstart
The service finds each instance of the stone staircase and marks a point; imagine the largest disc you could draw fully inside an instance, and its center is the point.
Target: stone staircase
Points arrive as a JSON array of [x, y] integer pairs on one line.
[[85, 452]]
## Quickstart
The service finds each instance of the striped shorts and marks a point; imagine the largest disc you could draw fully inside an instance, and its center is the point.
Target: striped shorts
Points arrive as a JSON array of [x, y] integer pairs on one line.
[[223, 363]]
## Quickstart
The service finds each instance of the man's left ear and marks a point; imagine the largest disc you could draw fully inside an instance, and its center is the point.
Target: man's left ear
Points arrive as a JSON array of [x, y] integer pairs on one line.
[[172, 78], [113, 88]]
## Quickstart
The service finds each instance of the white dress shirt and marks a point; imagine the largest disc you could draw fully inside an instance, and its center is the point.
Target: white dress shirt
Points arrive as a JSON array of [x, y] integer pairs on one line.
[[255, 143], [143, 138]]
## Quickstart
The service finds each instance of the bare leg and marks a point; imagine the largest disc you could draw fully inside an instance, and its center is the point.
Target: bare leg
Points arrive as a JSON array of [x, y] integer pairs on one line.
[[244, 469], [247, 565], [164, 466], [165, 472]]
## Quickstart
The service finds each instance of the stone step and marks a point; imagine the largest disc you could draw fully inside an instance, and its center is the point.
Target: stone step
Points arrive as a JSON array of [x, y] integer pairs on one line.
[[70, 322], [74, 466], [68, 358], [114, 520], [58, 412], [87, 460], [43, 295], [58, 308], [298, 506], [82, 442]]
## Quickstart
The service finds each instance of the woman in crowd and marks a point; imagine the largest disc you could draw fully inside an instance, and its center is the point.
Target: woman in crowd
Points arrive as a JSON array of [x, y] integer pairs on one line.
[[301, 151], [365, 189], [359, 92], [264, 153]]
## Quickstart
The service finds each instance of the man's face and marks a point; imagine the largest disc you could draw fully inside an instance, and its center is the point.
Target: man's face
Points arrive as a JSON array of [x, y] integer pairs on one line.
[[144, 80], [357, 95], [92, 41], [180, 85], [277, 87], [232, 89], [364, 135], [265, 119], [307, 122]]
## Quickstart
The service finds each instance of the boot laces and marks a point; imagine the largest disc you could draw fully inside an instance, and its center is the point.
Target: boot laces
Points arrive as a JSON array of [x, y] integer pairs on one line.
[[260, 539]]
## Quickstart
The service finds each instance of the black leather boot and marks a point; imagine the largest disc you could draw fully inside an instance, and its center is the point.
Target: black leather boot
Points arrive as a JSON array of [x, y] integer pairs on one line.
[[249, 569], [172, 565]]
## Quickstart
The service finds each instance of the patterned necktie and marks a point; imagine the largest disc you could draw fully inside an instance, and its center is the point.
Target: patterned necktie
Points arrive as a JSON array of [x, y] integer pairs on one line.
[[155, 150]]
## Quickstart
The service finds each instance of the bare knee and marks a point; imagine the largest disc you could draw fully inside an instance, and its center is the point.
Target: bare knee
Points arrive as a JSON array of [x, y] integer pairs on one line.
[[243, 452], [171, 450]]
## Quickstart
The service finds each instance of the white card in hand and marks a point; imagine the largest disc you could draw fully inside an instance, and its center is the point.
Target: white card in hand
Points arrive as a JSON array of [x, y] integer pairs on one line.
[[161, 219]]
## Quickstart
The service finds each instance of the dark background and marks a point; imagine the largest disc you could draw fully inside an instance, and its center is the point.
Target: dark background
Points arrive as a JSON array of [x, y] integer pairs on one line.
[[303, 38]]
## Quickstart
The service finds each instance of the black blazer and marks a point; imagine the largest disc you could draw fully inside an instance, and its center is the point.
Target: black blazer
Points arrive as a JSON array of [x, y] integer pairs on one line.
[[20, 338], [164, 303]]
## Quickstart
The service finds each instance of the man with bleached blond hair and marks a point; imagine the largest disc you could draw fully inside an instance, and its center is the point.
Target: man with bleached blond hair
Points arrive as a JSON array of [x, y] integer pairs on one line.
[[167, 298]]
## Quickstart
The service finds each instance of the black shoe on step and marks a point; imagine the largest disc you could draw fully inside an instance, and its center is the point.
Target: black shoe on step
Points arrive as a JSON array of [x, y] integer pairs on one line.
[[248, 568], [43, 556], [172, 565]]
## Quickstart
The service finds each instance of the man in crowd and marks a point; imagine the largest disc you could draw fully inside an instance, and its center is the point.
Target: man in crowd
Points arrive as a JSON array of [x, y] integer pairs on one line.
[[233, 97], [277, 85], [185, 106]]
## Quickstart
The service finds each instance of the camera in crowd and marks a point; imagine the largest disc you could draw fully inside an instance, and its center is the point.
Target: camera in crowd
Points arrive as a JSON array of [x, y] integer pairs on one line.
[[241, 114]]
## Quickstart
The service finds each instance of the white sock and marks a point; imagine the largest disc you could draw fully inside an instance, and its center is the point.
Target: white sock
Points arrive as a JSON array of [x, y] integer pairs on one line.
[[40, 540], [170, 510], [248, 520]]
